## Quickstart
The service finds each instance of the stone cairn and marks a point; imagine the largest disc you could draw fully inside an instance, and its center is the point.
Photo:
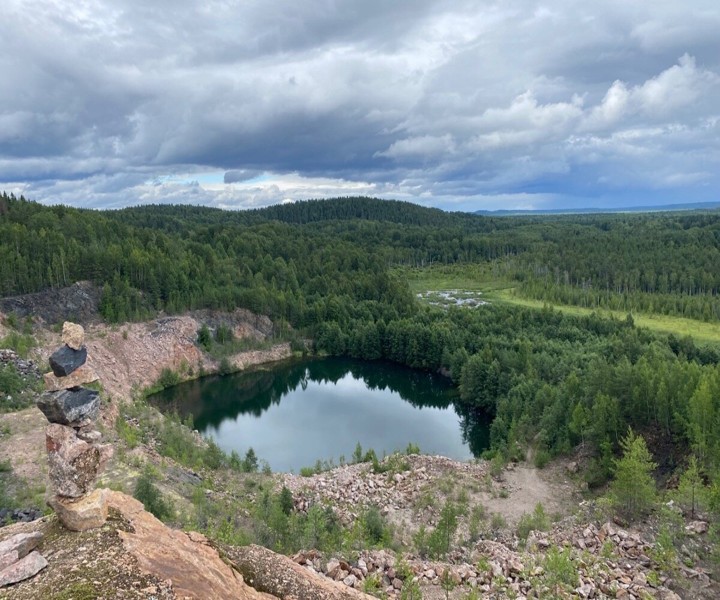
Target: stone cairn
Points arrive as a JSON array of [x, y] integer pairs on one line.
[[74, 454]]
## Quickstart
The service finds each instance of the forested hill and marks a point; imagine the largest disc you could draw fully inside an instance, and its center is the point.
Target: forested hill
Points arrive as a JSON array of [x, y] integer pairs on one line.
[[175, 217], [180, 257]]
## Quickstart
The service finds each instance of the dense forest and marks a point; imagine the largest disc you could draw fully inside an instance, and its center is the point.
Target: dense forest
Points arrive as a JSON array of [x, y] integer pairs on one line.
[[324, 267]]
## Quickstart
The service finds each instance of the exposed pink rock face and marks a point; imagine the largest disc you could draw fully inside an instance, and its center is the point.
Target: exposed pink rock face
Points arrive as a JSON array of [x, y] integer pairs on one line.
[[195, 568]]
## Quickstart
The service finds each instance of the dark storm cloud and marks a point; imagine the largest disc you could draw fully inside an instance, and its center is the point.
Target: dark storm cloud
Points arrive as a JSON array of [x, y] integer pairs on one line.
[[457, 104]]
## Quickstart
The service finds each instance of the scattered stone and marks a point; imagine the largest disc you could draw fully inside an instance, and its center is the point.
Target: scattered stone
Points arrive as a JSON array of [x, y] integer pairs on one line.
[[65, 360], [73, 335], [697, 527], [23, 515], [23, 569], [89, 512], [81, 375], [22, 543], [70, 407]]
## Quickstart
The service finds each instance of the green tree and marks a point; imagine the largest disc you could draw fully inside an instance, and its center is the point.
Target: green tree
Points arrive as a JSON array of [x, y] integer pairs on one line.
[[633, 489], [691, 490], [250, 462], [204, 338], [286, 500]]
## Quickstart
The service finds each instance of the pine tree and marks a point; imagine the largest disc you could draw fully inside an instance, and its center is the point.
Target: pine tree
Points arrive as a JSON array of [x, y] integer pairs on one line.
[[633, 488]]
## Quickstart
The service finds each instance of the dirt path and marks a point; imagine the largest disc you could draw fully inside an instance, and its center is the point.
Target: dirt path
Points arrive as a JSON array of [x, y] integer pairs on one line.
[[527, 486]]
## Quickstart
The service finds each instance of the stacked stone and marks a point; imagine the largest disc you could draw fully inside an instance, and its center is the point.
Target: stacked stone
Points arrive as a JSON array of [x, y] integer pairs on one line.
[[75, 457]]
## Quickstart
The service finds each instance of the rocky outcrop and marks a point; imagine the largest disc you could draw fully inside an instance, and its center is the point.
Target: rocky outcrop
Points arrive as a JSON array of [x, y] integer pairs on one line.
[[284, 578], [194, 567], [74, 455], [78, 302]]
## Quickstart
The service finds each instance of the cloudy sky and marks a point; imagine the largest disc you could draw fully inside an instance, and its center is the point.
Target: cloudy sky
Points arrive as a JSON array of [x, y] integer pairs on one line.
[[463, 105]]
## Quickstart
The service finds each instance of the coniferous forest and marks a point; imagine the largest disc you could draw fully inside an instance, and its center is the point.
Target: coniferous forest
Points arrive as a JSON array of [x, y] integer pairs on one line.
[[328, 269]]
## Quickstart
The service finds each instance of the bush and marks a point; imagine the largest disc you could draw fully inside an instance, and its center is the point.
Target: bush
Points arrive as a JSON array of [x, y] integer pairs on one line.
[[440, 539], [204, 338], [538, 521], [374, 525], [150, 496], [223, 334], [542, 458], [560, 572], [131, 435], [168, 378], [412, 449], [225, 367], [250, 462]]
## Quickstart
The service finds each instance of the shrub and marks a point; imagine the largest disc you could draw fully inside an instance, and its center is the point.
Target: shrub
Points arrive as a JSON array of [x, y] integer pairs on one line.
[[440, 539], [250, 462], [286, 500], [538, 521], [542, 458], [223, 334], [168, 378], [204, 338], [412, 449], [225, 367], [560, 572], [150, 496], [374, 525]]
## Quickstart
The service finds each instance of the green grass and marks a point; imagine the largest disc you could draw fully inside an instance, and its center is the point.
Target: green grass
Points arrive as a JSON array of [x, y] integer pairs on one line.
[[485, 279]]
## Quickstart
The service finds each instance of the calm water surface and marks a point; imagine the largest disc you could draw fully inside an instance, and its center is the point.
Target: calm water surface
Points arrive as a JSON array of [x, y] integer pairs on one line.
[[295, 414]]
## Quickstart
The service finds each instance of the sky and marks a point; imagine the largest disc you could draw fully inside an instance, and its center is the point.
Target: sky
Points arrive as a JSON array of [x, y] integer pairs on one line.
[[461, 105]]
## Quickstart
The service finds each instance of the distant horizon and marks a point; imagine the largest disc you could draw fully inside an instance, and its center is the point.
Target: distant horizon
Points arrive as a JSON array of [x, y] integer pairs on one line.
[[667, 207]]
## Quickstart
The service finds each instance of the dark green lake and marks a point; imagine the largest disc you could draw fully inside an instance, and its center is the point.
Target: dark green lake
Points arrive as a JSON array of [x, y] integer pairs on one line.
[[294, 414]]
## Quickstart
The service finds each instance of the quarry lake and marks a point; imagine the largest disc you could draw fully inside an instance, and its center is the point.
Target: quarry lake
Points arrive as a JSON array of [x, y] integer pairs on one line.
[[294, 414]]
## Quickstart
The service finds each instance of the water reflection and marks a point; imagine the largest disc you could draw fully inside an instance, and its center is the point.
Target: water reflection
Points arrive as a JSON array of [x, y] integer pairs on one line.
[[298, 413]]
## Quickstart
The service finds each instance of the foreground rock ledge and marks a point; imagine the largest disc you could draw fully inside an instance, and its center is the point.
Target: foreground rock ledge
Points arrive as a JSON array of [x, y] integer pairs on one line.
[[196, 569], [282, 577]]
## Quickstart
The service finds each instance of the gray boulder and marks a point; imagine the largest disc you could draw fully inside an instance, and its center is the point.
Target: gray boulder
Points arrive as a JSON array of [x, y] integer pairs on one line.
[[70, 407], [65, 360], [22, 569]]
